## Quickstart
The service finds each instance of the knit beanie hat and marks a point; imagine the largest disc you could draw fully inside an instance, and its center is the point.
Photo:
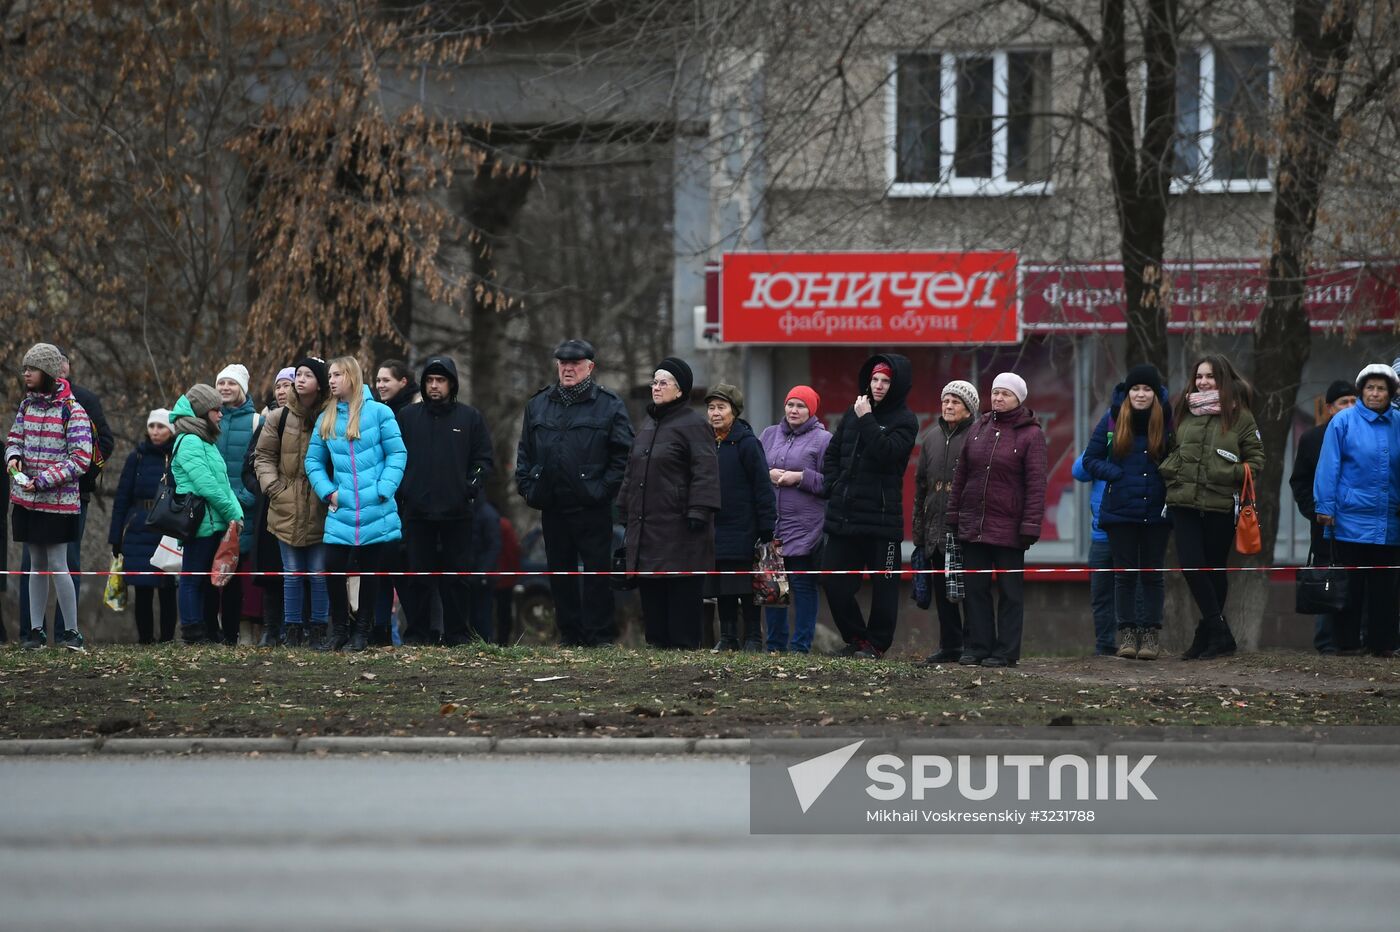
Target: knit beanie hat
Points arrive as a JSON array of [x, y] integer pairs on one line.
[[1378, 370], [678, 368], [966, 392], [1340, 389], [203, 399], [807, 396], [1144, 374], [318, 368], [46, 358], [730, 393], [159, 416], [288, 374], [1013, 383], [237, 372]]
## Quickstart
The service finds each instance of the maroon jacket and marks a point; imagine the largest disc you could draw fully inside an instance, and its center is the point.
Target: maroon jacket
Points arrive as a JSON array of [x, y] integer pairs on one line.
[[998, 494]]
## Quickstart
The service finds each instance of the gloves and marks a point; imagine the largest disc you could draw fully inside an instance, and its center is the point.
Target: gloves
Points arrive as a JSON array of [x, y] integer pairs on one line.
[[116, 550], [1027, 540], [695, 525], [765, 535]]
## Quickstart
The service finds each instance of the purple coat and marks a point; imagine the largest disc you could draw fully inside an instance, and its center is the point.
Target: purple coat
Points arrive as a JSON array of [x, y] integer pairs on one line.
[[801, 509], [998, 494]]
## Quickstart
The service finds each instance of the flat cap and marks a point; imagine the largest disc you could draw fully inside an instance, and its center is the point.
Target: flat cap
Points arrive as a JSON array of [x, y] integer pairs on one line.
[[574, 349]]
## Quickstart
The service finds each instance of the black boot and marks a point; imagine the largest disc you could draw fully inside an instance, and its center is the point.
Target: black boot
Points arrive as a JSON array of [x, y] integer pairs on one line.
[[359, 640], [1198, 641], [272, 634], [728, 636], [316, 635], [1220, 642], [192, 634], [294, 635], [336, 637]]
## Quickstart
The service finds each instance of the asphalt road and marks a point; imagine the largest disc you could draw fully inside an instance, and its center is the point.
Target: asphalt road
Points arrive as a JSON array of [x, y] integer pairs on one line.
[[416, 842]]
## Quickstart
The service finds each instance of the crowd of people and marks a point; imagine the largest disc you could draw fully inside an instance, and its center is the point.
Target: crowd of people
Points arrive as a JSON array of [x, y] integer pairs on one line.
[[333, 490]]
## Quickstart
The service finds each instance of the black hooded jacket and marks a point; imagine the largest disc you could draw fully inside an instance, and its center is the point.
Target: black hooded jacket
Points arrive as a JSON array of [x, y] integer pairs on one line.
[[865, 463], [449, 452]]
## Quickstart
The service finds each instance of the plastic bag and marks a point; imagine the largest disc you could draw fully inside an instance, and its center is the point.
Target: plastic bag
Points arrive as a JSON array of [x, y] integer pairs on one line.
[[922, 593], [169, 556], [770, 581], [114, 596], [225, 559]]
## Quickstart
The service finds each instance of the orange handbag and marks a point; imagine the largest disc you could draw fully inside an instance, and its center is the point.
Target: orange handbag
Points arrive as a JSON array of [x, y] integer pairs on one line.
[[1247, 538]]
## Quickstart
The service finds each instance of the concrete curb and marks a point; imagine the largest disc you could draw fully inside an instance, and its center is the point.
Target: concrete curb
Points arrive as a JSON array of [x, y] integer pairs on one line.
[[1224, 752]]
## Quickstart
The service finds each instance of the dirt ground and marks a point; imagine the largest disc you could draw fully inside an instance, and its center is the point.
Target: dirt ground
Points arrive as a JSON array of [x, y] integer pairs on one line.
[[224, 692]]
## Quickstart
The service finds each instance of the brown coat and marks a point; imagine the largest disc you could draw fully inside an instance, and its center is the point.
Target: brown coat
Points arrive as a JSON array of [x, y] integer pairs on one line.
[[295, 515], [672, 476]]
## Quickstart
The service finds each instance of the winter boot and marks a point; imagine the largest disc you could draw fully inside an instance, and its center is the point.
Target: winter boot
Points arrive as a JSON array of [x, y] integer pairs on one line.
[[1129, 640], [316, 633], [1220, 642], [1148, 647], [359, 639], [728, 636], [193, 634], [272, 634], [1198, 641], [337, 636]]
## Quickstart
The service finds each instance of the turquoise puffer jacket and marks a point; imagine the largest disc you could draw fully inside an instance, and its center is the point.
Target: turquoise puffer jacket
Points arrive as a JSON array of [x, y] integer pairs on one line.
[[198, 468], [366, 472], [235, 435]]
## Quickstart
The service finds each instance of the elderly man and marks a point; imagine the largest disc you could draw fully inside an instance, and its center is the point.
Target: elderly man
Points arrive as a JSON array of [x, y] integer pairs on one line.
[[573, 450]]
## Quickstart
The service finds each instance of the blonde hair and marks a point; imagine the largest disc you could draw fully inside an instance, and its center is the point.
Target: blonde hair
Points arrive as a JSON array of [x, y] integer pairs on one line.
[[349, 366]]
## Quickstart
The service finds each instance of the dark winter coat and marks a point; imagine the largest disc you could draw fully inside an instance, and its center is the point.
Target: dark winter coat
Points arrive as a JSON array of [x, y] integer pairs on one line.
[[449, 455], [136, 490], [486, 539], [747, 509], [1135, 492], [801, 511], [572, 457], [938, 460], [672, 476], [865, 463], [1301, 481], [103, 440], [998, 495]]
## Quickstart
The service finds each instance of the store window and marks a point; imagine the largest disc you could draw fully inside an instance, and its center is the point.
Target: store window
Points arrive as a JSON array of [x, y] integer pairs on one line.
[[1222, 104]]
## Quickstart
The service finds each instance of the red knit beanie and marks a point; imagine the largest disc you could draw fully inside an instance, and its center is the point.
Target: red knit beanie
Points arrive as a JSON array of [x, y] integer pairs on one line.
[[805, 395]]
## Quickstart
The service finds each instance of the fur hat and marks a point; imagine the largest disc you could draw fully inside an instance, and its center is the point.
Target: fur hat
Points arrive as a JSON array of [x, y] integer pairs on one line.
[[1013, 383], [966, 392], [1378, 370], [46, 358]]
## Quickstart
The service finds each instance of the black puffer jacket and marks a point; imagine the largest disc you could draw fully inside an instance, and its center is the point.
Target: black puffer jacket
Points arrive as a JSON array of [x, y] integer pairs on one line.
[[572, 457], [449, 452], [865, 463]]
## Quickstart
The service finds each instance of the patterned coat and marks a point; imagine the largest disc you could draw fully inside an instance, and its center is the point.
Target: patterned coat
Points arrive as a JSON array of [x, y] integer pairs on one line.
[[52, 438]]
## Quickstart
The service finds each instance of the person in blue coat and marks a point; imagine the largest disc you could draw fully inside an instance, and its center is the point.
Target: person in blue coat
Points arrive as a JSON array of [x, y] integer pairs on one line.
[[223, 606], [355, 463], [1131, 439], [1356, 493], [135, 541]]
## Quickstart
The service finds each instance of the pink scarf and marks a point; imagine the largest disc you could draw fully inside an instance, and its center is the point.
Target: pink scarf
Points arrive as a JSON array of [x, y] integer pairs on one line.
[[1204, 403]]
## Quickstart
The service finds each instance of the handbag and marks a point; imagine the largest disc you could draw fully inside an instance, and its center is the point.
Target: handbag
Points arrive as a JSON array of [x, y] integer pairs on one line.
[[1321, 590], [173, 514], [770, 580], [169, 556], [621, 580], [1247, 539], [953, 567], [922, 589]]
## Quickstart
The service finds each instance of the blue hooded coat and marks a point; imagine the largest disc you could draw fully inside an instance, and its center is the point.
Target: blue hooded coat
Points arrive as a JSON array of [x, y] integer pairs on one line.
[[1358, 475], [365, 471]]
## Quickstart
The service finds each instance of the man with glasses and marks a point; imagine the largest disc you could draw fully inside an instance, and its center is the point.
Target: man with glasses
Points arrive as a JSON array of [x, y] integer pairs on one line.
[[573, 450]]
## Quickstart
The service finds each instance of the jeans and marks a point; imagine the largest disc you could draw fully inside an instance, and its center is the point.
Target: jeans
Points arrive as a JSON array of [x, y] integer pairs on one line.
[[804, 606], [199, 558], [1139, 597], [75, 554], [308, 559], [1101, 599]]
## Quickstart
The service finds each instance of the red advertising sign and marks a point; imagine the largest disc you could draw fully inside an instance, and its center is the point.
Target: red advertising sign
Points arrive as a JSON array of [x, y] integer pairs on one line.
[[1205, 295], [867, 298]]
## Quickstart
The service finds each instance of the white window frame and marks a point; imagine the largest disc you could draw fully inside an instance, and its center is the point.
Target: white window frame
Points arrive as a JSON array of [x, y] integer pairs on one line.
[[1203, 182], [948, 184]]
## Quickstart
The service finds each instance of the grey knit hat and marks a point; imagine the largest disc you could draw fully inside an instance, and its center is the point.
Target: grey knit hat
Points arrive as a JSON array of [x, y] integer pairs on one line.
[[46, 358], [203, 399], [965, 391]]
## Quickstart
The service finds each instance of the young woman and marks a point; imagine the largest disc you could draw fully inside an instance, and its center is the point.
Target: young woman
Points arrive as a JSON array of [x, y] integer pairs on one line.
[[1131, 439], [134, 540], [355, 463], [296, 516], [197, 466], [1215, 438], [48, 450]]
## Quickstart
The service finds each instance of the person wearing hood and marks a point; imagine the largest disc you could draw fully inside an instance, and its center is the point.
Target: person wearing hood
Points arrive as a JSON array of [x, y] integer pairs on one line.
[[392, 385], [670, 493], [938, 460], [235, 436], [864, 477], [746, 516], [795, 449], [1356, 494], [133, 539], [1127, 445], [449, 458], [198, 468], [355, 464], [48, 450], [995, 509], [569, 464], [296, 516]]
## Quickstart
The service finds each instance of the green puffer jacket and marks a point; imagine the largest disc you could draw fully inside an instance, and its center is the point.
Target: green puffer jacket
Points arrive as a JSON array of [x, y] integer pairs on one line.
[[198, 467], [1197, 475]]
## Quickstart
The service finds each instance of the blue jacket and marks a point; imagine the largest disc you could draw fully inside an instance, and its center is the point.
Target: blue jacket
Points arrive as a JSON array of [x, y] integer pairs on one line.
[[1358, 475], [1135, 492], [1095, 497], [366, 472], [235, 435], [139, 485]]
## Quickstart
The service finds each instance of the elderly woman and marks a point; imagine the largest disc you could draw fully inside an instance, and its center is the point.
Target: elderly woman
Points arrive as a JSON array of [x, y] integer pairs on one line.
[[670, 493], [795, 450], [1357, 494], [747, 512]]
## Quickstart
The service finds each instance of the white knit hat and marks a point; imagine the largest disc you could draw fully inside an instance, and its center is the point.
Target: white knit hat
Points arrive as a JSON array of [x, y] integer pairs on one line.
[[159, 416], [966, 392], [1378, 370], [237, 372], [1013, 383]]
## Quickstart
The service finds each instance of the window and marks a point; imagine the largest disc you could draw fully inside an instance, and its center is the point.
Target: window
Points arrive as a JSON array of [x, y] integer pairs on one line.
[[1222, 106], [971, 124]]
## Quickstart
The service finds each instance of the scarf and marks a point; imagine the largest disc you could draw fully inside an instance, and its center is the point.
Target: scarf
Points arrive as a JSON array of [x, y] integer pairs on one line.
[[198, 426], [568, 396], [660, 411], [1204, 403]]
